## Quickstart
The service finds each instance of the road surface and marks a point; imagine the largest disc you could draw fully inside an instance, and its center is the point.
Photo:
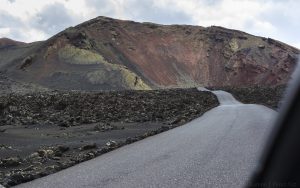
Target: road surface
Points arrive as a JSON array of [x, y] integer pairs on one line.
[[219, 149]]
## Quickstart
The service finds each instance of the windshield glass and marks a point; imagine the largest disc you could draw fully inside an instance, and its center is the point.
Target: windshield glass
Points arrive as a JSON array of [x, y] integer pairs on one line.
[[160, 93]]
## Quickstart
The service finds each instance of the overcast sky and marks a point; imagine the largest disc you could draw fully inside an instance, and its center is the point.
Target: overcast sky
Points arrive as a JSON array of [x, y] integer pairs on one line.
[[32, 20]]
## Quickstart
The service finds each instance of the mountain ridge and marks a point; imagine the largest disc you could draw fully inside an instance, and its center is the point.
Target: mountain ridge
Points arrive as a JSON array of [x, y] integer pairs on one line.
[[6, 42], [109, 54]]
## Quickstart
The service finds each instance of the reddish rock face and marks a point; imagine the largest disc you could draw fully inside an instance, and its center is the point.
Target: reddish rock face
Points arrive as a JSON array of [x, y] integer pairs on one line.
[[160, 56], [5, 42]]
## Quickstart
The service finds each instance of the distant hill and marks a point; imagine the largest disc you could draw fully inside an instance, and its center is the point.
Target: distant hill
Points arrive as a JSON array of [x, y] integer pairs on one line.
[[110, 54], [6, 42]]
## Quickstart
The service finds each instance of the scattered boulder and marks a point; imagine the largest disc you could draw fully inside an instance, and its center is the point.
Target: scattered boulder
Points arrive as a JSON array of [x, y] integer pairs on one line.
[[165, 127], [51, 168], [26, 62], [114, 33], [62, 148], [88, 147], [130, 140], [103, 127], [17, 178], [261, 46], [59, 150], [45, 152], [3, 146], [64, 124], [111, 144], [34, 155], [178, 120], [10, 162]]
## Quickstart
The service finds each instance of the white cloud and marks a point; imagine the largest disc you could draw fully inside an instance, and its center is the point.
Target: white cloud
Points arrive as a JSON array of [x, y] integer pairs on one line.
[[4, 31], [268, 18]]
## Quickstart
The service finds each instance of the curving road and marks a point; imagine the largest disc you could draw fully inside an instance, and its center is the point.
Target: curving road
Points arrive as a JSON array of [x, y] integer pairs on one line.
[[219, 149]]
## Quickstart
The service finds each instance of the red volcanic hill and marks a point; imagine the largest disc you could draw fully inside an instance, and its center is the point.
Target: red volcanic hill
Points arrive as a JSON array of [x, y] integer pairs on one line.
[[5, 42], [106, 54]]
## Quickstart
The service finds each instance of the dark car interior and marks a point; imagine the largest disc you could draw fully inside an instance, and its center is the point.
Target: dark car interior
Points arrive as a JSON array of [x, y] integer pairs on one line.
[[280, 164]]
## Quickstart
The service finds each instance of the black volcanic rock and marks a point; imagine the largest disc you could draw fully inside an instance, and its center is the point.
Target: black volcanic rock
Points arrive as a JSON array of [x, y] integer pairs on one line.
[[67, 109]]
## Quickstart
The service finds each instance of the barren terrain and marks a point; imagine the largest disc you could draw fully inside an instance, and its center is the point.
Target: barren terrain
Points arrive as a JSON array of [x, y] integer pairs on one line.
[[45, 132]]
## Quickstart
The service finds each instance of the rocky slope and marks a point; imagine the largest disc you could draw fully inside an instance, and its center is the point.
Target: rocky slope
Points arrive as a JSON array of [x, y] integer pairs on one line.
[[109, 54]]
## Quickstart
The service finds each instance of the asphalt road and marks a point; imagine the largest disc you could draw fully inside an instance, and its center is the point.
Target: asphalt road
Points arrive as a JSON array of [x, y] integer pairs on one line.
[[219, 149]]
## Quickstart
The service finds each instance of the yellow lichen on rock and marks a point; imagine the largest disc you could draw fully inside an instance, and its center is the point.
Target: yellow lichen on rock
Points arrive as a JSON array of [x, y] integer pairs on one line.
[[108, 74], [73, 55], [116, 76], [234, 45], [133, 81]]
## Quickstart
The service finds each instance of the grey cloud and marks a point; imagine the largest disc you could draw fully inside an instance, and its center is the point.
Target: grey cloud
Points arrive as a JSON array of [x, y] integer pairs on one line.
[[285, 20], [103, 7], [8, 20], [288, 33], [212, 2], [14, 24], [144, 11], [53, 18], [147, 11]]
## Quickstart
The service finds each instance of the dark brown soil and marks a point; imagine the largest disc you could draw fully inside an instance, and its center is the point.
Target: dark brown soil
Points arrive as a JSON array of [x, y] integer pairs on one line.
[[42, 133]]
